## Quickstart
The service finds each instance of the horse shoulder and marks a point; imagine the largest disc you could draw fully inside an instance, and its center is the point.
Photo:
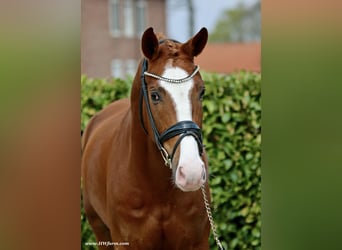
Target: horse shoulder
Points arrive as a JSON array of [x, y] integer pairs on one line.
[[96, 147]]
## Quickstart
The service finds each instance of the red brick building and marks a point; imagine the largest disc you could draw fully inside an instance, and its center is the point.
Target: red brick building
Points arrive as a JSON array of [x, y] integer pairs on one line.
[[111, 31]]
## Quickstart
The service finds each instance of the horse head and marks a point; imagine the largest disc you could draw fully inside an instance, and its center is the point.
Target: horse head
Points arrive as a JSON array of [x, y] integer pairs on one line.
[[172, 89]]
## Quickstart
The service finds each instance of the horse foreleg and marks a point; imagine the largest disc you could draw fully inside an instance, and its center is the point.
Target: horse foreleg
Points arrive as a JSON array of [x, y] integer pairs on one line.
[[102, 233], [100, 229]]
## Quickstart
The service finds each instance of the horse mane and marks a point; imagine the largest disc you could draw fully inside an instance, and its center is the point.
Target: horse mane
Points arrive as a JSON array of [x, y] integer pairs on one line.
[[172, 47], [160, 36]]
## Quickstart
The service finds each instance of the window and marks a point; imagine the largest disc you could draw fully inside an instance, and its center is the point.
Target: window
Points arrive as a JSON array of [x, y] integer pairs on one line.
[[116, 68], [120, 68], [114, 18], [128, 18], [140, 17], [131, 67]]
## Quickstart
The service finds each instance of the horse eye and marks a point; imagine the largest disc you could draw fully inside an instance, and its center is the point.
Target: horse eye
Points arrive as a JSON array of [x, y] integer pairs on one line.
[[155, 97], [202, 94]]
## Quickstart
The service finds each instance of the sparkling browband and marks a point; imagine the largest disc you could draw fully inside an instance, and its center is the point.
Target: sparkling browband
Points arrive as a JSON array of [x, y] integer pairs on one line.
[[173, 80]]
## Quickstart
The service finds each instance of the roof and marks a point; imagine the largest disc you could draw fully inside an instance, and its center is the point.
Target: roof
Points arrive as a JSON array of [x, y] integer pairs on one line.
[[228, 57]]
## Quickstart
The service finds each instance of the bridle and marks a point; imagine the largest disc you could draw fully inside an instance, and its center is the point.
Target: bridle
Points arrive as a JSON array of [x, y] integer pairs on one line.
[[182, 128]]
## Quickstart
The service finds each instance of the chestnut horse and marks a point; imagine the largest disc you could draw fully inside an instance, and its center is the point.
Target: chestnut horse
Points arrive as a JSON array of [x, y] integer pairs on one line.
[[131, 200]]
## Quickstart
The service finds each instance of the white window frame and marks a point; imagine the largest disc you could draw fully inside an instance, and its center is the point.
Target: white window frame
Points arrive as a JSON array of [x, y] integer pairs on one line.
[[140, 4], [114, 31], [131, 67], [129, 18], [116, 68]]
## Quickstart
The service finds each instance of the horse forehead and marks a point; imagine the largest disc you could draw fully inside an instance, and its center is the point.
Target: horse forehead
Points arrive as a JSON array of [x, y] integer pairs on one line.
[[179, 92], [174, 72]]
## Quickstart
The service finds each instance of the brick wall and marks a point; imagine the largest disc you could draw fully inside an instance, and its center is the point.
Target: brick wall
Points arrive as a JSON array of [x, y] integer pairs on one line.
[[99, 48]]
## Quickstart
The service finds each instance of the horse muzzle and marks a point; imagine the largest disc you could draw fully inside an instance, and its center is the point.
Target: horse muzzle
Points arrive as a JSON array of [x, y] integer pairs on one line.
[[190, 173], [187, 181]]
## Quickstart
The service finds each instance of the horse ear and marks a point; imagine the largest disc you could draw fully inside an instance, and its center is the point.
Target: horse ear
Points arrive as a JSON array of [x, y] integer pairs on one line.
[[196, 44], [149, 44]]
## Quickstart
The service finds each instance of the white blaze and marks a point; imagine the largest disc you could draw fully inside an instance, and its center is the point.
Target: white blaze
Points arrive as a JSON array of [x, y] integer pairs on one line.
[[189, 157]]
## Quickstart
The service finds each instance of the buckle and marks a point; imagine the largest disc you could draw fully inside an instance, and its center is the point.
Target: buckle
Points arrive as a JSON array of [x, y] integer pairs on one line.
[[166, 157]]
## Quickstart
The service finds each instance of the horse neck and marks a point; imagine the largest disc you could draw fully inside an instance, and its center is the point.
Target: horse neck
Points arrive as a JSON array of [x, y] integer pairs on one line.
[[138, 133], [146, 160]]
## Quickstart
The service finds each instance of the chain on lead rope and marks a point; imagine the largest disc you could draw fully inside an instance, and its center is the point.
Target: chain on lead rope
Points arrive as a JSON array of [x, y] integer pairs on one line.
[[210, 217]]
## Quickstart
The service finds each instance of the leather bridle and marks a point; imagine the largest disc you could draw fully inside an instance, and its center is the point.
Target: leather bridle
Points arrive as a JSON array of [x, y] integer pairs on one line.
[[182, 128]]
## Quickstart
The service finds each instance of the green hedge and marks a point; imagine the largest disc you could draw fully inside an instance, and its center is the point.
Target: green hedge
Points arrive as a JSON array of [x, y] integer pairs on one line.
[[232, 137]]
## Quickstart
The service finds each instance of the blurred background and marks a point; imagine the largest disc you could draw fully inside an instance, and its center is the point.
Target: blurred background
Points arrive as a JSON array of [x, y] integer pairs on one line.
[[111, 31]]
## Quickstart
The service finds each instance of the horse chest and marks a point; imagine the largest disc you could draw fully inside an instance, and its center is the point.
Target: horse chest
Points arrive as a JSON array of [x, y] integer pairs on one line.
[[148, 224]]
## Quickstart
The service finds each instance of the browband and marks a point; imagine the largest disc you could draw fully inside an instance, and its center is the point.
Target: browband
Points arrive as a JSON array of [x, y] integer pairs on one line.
[[185, 79]]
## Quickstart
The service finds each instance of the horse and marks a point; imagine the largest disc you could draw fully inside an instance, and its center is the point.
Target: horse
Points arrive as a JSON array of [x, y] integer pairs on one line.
[[131, 200]]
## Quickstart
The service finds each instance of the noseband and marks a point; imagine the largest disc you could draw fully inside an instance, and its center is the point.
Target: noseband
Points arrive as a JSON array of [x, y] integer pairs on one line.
[[182, 128]]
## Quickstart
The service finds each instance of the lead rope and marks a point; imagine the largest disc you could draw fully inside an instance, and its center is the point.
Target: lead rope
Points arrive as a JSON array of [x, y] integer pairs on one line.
[[210, 217]]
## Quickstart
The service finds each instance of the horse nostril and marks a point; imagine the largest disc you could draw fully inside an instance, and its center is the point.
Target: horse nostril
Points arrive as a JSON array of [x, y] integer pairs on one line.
[[181, 175], [203, 175]]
